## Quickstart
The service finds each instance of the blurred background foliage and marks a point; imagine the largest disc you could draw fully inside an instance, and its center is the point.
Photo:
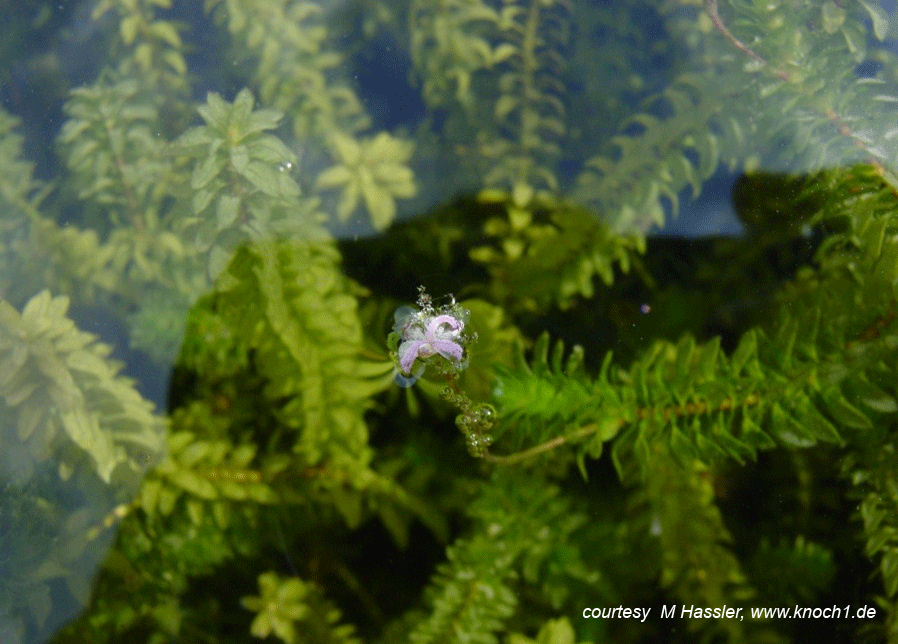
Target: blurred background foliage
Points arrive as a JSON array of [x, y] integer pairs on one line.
[[210, 211]]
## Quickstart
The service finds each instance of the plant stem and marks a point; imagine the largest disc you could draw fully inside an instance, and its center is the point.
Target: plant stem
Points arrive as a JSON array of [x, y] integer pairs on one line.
[[511, 459]]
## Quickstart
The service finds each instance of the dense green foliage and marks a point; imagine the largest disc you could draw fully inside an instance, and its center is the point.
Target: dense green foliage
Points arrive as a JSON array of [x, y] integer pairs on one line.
[[648, 422]]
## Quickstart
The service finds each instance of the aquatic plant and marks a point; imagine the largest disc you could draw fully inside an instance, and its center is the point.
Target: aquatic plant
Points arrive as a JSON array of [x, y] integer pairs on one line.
[[644, 422]]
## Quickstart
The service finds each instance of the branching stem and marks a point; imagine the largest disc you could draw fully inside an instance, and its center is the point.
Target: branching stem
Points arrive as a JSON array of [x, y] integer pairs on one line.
[[711, 6]]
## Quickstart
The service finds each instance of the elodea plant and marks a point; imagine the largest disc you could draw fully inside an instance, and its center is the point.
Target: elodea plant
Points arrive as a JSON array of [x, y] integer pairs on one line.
[[573, 433]]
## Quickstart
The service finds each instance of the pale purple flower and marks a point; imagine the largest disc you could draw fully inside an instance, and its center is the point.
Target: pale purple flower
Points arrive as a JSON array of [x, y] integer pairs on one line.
[[441, 336], [423, 335]]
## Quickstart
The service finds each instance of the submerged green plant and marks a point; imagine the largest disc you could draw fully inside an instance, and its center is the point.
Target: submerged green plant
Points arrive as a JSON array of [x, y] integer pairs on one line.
[[720, 429]]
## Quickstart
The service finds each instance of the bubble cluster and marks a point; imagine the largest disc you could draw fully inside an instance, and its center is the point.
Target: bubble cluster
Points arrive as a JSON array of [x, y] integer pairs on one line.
[[475, 421], [455, 398], [478, 444]]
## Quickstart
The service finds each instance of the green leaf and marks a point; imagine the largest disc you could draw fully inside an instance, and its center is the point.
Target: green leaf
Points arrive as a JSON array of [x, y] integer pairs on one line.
[[176, 61], [746, 350], [505, 105], [347, 148], [195, 484], [349, 201], [128, 28], [241, 110], [788, 430], [84, 430], [215, 112], [264, 177], [333, 176], [202, 198], [875, 398], [31, 418], [843, 411], [503, 52], [149, 494], [270, 150], [879, 17], [199, 136], [167, 32], [262, 120], [889, 567], [227, 212], [204, 173], [381, 206], [239, 158], [834, 16], [818, 425]]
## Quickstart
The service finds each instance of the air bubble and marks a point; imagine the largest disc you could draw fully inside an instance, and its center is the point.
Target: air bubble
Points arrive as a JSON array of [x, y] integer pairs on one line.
[[485, 415], [475, 447]]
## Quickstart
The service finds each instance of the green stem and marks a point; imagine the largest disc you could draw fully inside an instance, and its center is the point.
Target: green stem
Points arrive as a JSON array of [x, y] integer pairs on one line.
[[511, 459]]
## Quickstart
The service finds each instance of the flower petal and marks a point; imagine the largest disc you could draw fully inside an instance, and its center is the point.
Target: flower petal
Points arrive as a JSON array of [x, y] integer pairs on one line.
[[433, 327], [408, 352], [449, 350]]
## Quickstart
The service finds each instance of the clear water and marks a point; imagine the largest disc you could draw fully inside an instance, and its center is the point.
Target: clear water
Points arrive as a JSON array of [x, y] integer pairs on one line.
[[68, 482]]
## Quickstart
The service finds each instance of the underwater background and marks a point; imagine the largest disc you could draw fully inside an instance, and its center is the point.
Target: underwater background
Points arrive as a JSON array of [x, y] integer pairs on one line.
[[476, 321]]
